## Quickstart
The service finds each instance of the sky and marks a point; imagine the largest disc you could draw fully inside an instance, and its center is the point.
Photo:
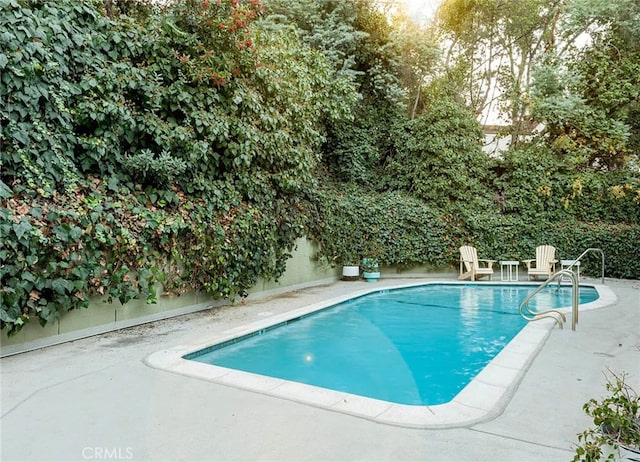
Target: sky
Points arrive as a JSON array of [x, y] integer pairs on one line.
[[422, 9]]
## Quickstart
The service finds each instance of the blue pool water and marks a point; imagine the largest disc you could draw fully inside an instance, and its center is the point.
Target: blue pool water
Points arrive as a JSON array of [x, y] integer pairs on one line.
[[417, 346]]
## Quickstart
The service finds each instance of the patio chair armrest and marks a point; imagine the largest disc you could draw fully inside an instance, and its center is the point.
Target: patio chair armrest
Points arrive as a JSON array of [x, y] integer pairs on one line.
[[488, 262], [527, 262]]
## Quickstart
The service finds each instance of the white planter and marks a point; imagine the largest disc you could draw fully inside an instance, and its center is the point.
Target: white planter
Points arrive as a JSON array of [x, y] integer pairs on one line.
[[350, 272]]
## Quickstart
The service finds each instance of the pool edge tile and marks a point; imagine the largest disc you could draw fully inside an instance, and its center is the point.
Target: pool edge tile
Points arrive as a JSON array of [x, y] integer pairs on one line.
[[308, 394], [361, 406]]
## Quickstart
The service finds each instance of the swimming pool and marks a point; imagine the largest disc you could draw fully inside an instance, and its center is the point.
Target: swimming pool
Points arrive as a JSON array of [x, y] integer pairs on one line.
[[479, 399], [416, 346]]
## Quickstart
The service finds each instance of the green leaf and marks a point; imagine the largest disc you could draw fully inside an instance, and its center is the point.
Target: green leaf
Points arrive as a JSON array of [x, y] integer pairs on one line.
[[22, 228], [31, 259], [27, 276], [21, 136], [5, 191], [60, 285], [75, 233], [113, 183]]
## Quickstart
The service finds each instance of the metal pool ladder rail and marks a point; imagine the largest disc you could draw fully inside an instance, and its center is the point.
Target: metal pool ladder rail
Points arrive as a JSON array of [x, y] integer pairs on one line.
[[557, 315], [590, 249], [575, 297]]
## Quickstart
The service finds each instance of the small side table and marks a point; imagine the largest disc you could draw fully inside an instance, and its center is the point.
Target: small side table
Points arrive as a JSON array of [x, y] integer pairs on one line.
[[509, 270], [568, 263]]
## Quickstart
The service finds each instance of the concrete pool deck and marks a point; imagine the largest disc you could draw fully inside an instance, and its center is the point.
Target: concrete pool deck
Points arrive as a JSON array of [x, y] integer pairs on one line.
[[96, 399]]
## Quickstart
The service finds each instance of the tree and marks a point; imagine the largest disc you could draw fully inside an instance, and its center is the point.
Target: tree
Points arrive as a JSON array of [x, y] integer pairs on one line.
[[494, 46], [419, 59], [356, 39], [437, 156], [589, 99], [327, 26]]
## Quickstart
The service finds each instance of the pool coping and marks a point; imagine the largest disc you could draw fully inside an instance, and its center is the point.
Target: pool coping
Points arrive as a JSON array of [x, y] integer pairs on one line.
[[483, 398]]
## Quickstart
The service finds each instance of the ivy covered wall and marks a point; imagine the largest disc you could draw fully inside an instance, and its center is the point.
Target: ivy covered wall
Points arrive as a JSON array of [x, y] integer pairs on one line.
[[175, 147], [190, 144]]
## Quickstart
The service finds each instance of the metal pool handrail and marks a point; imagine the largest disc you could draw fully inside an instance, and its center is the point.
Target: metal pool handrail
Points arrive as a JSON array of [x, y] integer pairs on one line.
[[558, 316], [590, 249]]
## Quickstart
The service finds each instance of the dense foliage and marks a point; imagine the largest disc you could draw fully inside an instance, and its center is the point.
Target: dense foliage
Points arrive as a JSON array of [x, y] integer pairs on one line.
[[393, 227], [186, 145], [401, 230], [437, 156], [170, 150]]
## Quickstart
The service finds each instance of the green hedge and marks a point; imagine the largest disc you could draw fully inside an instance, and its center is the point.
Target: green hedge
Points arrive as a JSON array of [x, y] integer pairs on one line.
[[400, 230], [395, 228]]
